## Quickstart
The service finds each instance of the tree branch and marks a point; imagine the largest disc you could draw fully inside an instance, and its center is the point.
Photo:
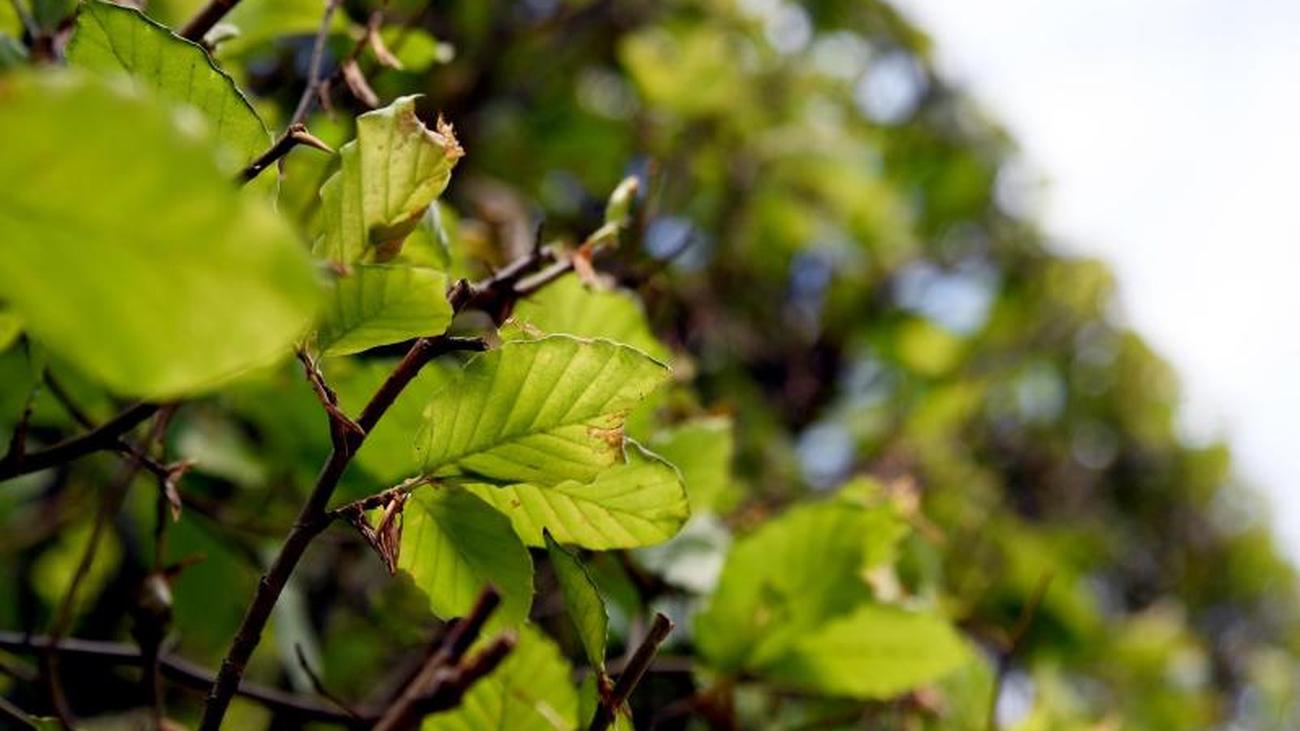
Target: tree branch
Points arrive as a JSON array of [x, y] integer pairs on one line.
[[180, 671], [312, 519], [498, 293], [442, 681], [632, 674], [295, 135], [210, 15], [106, 436]]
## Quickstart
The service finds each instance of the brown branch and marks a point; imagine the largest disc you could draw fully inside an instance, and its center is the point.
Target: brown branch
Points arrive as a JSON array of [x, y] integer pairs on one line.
[[180, 671], [295, 135], [110, 503], [208, 16], [313, 66], [312, 519], [443, 680], [498, 293], [104, 437], [632, 674], [319, 685]]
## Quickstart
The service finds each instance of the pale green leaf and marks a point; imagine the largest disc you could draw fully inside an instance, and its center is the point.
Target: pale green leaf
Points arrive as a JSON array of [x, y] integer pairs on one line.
[[791, 575], [585, 605], [702, 449], [113, 38], [376, 305], [11, 326], [874, 652], [454, 545], [530, 691], [638, 503], [567, 306], [537, 411], [129, 253], [388, 176]]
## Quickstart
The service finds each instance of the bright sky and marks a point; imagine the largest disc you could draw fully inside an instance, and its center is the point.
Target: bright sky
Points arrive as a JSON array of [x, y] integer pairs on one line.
[[1169, 131]]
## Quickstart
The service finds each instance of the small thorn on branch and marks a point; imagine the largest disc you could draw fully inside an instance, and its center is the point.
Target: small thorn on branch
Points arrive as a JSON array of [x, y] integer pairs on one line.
[[295, 135], [632, 674]]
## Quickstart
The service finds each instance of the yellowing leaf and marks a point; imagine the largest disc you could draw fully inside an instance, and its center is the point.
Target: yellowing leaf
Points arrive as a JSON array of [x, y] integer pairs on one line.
[[389, 175], [129, 252]]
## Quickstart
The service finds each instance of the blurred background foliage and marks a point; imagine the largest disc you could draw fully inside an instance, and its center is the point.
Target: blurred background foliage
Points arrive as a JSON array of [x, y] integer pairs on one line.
[[834, 253]]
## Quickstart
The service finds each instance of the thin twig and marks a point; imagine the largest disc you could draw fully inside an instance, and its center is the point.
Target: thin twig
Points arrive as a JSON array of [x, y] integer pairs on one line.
[[319, 685], [498, 293], [312, 520], [295, 135], [104, 437], [110, 502], [1023, 623], [208, 16], [180, 671], [443, 680], [313, 67], [632, 674]]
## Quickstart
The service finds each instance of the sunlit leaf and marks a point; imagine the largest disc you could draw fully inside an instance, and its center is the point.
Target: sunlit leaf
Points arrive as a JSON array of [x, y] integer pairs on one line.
[[788, 577], [530, 691], [114, 38], [540, 411], [160, 283], [639, 503], [566, 306], [702, 449], [584, 603], [874, 652], [454, 545], [378, 305], [389, 175]]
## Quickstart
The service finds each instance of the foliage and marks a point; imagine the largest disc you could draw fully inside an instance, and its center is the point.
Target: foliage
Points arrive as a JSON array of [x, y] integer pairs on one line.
[[726, 310]]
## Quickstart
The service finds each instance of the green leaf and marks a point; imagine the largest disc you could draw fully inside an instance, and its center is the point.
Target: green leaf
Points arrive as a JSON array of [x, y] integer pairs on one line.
[[566, 306], [379, 305], [114, 38], [639, 503], [530, 691], [702, 449], [11, 326], [785, 579], [161, 282], [539, 411], [389, 175], [875, 652], [585, 605], [453, 545], [386, 454]]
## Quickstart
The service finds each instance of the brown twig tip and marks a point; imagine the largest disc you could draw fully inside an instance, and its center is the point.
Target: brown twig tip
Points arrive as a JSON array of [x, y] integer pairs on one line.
[[295, 135], [632, 673], [443, 679]]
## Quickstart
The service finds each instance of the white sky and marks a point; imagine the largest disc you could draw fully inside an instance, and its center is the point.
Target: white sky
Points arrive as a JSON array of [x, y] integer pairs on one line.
[[1169, 131]]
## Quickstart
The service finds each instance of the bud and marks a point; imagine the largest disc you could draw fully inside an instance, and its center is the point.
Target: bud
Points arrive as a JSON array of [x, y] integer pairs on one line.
[[620, 202]]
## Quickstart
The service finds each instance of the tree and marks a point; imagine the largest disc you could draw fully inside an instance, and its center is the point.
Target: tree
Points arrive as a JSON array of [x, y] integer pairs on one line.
[[582, 320]]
